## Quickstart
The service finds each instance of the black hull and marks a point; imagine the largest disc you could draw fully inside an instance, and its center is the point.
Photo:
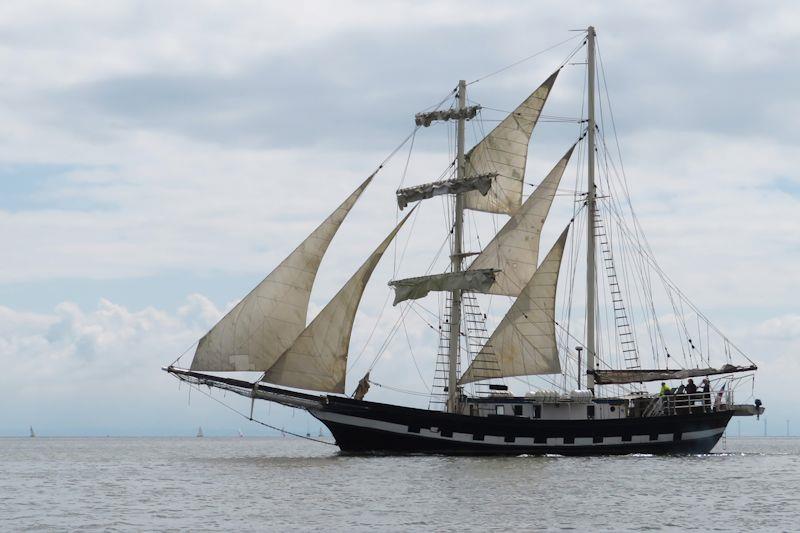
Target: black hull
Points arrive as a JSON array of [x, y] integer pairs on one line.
[[375, 428], [371, 428]]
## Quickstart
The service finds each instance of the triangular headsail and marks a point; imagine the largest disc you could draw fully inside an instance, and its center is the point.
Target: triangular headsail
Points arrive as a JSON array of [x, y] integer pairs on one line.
[[505, 151], [524, 343], [514, 251], [259, 328], [317, 359]]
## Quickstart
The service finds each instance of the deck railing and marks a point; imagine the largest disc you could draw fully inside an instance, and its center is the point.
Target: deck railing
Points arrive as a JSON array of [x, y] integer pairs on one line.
[[681, 404]]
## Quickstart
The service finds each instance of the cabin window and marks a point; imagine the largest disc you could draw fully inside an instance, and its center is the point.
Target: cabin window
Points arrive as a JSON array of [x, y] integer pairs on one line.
[[517, 410], [590, 412], [500, 409], [537, 411]]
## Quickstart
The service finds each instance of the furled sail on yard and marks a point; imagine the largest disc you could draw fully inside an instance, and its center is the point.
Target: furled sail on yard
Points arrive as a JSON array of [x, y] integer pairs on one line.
[[505, 151], [468, 280], [260, 327], [514, 251], [317, 359], [524, 343], [621, 377]]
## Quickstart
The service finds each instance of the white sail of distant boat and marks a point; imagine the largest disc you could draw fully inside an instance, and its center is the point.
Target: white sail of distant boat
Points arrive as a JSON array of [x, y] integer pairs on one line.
[[320, 433], [240, 433], [200, 431], [33, 433]]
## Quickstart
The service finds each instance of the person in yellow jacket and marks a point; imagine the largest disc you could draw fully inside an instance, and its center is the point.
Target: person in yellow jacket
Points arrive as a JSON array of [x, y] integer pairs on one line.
[[665, 389]]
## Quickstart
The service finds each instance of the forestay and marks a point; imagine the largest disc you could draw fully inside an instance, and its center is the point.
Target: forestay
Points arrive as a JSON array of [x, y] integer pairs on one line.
[[525, 341], [317, 359], [505, 151], [514, 251], [265, 322]]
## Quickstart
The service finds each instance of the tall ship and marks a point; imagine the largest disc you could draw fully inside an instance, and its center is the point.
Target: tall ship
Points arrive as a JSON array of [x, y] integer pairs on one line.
[[611, 356]]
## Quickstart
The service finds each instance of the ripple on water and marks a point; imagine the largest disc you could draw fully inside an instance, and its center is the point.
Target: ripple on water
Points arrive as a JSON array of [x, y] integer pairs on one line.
[[263, 483]]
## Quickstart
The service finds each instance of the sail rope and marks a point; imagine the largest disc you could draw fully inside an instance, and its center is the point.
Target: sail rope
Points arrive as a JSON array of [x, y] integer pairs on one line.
[[580, 35], [248, 417]]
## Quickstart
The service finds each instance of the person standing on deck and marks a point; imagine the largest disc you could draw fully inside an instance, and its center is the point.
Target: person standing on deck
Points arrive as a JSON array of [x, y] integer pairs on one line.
[[706, 389]]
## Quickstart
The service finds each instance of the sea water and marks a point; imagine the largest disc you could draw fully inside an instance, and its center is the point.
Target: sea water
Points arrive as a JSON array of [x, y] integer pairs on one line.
[[280, 484]]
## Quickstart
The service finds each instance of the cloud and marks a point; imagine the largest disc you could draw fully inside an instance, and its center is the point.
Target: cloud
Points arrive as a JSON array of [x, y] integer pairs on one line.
[[140, 144]]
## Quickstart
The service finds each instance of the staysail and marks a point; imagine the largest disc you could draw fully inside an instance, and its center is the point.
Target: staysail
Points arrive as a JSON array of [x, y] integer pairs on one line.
[[524, 343], [514, 251], [317, 359], [260, 327], [509, 260], [505, 151]]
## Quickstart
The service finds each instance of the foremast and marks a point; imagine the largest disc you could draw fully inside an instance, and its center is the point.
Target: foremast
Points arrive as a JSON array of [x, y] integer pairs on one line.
[[456, 258], [591, 276]]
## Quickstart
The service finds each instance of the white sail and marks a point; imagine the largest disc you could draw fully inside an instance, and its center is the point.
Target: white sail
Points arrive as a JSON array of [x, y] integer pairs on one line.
[[257, 331], [514, 251], [317, 360], [524, 343], [505, 151]]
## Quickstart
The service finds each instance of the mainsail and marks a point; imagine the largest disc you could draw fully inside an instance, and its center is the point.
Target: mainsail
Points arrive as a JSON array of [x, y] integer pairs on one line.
[[317, 359], [514, 251], [505, 151], [260, 327], [525, 341]]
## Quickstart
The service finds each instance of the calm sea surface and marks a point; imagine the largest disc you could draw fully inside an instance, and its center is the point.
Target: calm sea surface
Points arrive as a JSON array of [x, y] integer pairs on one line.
[[250, 484]]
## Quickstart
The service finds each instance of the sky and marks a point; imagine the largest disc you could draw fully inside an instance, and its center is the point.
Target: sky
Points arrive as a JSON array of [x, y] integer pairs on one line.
[[159, 158]]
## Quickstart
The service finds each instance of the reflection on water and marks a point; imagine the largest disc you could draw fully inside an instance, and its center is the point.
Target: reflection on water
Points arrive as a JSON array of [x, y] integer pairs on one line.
[[280, 483]]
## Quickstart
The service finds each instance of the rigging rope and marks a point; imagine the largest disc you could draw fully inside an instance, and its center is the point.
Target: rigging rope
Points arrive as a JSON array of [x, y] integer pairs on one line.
[[244, 415], [540, 52]]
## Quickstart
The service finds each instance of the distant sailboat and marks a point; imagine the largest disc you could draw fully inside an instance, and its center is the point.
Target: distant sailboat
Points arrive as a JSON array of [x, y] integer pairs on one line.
[[241, 434], [33, 433], [320, 433], [200, 431]]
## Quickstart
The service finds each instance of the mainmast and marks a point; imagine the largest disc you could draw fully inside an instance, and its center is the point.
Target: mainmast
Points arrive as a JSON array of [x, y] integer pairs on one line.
[[456, 257], [591, 290]]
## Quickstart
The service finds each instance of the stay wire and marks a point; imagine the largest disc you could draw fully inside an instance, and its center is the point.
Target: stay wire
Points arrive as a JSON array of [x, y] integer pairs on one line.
[[244, 415], [524, 59]]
